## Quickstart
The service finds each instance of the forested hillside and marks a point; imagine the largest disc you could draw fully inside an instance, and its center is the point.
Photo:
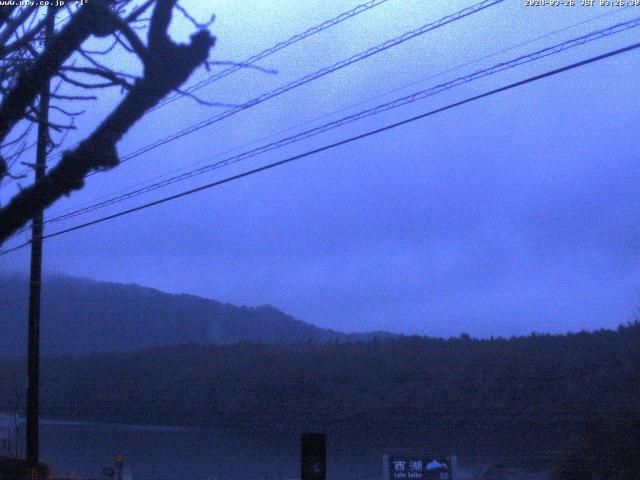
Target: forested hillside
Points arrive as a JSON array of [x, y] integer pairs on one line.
[[514, 395]]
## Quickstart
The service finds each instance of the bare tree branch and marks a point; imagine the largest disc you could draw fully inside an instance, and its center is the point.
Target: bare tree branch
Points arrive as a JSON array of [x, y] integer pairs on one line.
[[114, 78], [87, 21], [15, 23], [167, 65]]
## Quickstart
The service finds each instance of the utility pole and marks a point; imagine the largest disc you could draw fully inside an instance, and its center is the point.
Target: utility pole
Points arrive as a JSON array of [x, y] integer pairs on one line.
[[33, 356]]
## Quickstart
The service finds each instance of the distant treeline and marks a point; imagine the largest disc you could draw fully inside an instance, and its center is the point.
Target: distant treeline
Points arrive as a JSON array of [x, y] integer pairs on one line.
[[525, 394]]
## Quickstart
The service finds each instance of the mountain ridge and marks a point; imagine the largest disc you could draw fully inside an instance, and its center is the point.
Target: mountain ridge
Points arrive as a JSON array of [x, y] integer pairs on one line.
[[81, 315]]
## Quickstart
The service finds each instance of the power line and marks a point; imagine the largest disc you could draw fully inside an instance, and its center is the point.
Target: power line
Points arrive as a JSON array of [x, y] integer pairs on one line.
[[313, 76], [274, 49], [364, 7], [316, 75], [80, 205], [331, 146], [271, 50], [420, 95]]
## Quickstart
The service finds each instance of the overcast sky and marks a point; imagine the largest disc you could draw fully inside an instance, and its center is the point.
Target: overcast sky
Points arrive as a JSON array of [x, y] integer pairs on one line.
[[516, 213]]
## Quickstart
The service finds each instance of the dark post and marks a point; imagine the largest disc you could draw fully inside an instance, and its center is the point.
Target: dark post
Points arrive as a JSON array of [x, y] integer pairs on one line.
[[119, 464], [33, 356], [314, 456]]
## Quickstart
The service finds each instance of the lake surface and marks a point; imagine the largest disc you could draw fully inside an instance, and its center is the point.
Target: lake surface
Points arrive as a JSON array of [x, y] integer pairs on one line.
[[83, 449]]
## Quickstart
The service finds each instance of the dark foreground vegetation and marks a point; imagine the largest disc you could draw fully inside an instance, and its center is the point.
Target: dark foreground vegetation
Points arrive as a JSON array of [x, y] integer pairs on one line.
[[17, 468], [535, 395]]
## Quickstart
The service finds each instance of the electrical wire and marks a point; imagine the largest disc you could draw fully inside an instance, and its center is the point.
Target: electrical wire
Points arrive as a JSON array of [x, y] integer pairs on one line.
[[331, 146], [312, 76], [316, 75], [329, 114], [420, 95], [364, 7], [274, 49]]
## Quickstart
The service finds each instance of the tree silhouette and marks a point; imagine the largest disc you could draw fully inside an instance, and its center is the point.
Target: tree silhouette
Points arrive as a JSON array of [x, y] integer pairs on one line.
[[26, 67]]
